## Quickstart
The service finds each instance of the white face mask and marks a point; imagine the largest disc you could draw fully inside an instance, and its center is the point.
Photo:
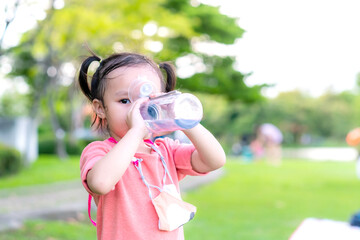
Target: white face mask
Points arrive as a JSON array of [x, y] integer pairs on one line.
[[172, 211]]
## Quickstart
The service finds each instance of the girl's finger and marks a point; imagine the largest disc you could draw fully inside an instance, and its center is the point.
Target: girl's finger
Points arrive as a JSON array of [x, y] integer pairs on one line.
[[154, 95], [137, 104]]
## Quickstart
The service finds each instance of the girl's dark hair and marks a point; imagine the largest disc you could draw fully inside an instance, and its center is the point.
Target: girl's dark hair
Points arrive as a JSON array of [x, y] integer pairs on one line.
[[96, 90]]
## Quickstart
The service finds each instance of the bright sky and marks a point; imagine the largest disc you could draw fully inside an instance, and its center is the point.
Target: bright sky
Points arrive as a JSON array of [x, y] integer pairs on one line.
[[312, 45]]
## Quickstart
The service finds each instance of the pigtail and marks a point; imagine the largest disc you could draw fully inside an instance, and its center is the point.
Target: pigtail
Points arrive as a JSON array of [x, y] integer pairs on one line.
[[170, 75], [83, 76]]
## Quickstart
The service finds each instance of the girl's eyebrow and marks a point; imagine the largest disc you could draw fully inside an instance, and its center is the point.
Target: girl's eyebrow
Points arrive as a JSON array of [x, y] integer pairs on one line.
[[121, 93]]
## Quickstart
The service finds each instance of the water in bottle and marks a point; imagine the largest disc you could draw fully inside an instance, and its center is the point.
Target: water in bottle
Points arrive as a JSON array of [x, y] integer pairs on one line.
[[172, 111]]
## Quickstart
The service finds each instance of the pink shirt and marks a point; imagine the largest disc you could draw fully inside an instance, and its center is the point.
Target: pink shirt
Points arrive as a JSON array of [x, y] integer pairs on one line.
[[127, 211]]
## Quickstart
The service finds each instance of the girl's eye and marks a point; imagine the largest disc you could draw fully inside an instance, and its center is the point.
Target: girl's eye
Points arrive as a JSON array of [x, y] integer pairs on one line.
[[125, 101]]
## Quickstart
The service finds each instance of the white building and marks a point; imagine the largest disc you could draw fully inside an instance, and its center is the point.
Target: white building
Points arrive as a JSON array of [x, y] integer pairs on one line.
[[20, 133]]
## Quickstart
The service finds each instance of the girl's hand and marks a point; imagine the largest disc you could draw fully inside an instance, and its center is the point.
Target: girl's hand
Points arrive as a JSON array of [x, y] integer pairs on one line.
[[159, 134], [134, 119]]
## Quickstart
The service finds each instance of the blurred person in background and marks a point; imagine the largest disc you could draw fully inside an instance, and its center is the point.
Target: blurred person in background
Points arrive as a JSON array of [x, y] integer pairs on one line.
[[353, 139], [269, 138]]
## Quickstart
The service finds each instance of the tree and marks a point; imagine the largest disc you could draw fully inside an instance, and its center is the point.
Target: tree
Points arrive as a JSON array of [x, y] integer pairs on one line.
[[161, 29], [9, 14]]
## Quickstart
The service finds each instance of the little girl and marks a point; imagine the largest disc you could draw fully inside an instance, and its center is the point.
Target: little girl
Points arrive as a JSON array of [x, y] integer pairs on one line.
[[127, 175]]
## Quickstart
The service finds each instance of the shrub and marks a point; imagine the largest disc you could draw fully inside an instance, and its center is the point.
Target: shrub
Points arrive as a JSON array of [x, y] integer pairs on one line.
[[47, 145], [10, 160]]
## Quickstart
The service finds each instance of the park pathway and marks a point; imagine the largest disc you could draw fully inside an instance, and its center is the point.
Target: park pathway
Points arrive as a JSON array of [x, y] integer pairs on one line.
[[61, 201]]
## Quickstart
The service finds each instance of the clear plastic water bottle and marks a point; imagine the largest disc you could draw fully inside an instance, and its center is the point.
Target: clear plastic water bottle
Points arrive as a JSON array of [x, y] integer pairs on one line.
[[172, 111], [168, 112]]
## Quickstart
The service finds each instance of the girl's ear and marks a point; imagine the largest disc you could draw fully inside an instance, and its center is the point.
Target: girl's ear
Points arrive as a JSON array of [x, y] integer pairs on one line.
[[98, 108]]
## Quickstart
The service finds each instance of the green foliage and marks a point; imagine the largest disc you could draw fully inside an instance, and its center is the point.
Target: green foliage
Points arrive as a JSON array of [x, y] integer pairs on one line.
[[219, 28], [11, 108], [57, 38], [325, 120], [111, 26], [10, 161], [207, 20], [219, 76], [114, 26], [25, 64], [329, 116], [222, 80], [47, 145]]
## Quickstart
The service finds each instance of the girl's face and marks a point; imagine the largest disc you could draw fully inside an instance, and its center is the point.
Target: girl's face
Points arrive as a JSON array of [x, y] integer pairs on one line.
[[116, 96]]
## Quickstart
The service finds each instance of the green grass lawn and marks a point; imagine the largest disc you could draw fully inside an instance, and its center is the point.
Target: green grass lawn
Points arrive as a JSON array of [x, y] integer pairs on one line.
[[47, 169], [259, 201], [253, 201]]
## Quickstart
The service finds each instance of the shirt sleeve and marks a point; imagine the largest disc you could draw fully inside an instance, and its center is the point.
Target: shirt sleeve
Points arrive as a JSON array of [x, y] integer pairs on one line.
[[90, 155], [181, 154]]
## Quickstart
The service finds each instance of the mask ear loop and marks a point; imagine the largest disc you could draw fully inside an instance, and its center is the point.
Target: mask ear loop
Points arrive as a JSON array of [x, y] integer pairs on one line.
[[137, 164], [153, 146]]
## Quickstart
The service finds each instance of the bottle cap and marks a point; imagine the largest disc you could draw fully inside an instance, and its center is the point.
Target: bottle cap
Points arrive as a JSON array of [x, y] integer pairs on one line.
[[140, 87], [146, 89]]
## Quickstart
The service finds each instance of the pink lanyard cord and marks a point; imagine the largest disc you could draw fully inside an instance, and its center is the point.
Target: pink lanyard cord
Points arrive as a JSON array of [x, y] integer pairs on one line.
[[89, 210], [148, 141]]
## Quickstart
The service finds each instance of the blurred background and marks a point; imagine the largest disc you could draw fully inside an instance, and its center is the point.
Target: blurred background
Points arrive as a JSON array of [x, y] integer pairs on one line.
[[293, 64]]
